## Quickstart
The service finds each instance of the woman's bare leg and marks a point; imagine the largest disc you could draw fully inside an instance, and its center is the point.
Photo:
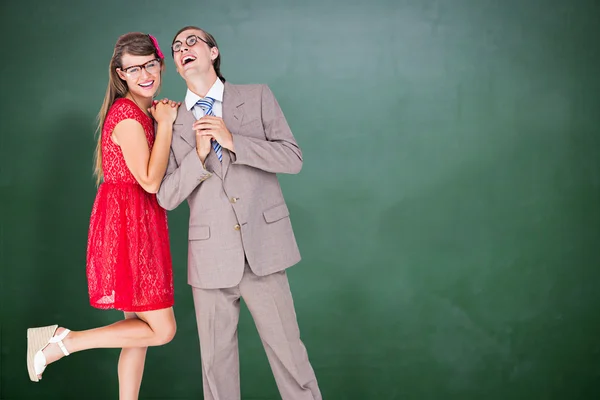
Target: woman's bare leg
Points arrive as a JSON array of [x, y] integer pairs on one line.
[[151, 328], [131, 369]]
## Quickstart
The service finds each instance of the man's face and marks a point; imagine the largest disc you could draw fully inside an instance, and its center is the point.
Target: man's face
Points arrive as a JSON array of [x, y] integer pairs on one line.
[[191, 54]]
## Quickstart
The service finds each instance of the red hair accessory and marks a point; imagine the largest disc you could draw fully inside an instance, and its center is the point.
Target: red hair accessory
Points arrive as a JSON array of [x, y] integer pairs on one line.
[[158, 52]]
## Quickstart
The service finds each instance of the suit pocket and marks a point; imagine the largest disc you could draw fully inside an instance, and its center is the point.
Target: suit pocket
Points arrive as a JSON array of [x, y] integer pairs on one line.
[[276, 213], [199, 232]]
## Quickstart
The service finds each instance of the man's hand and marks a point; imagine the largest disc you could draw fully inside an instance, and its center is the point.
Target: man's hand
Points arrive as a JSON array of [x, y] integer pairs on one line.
[[214, 128], [203, 146]]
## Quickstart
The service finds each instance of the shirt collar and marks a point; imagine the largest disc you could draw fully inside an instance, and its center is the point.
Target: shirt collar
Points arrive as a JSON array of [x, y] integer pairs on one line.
[[216, 92]]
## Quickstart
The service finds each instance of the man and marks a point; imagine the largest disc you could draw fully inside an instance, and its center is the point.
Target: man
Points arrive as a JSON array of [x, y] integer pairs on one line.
[[229, 142]]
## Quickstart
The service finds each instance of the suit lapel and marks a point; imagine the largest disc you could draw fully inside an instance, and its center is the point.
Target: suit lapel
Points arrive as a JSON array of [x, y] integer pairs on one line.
[[232, 116], [184, 122]]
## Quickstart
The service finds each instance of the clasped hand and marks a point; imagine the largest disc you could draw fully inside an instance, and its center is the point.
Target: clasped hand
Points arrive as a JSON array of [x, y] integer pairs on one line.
[[164, 111], [210, 128]]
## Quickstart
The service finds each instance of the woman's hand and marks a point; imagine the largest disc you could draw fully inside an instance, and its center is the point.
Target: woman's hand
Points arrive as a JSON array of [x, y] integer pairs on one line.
[[164, 111]]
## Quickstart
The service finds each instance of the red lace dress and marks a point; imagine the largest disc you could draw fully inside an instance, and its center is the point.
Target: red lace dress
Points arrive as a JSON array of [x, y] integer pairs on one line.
[[128, 254]]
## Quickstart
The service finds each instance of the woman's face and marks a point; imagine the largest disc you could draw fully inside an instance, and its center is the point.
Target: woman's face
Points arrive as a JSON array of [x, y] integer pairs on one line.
[[141, 73]]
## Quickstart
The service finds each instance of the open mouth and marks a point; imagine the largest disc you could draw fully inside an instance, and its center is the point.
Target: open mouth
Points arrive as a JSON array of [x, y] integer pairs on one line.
[[147, 85], [187, 59]]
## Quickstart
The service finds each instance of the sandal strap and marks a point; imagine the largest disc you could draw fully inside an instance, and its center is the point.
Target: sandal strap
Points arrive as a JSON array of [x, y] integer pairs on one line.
[[58, 340]]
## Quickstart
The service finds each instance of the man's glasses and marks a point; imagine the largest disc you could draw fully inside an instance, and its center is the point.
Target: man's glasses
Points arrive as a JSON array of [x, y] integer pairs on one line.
[[134, 71], [190, 41]]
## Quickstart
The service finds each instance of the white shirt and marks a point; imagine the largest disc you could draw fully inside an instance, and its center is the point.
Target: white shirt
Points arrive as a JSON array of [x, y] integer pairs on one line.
[[216, 92]]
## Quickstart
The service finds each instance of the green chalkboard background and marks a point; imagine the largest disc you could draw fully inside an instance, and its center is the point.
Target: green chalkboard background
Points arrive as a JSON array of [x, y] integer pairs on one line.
[[448, 211]]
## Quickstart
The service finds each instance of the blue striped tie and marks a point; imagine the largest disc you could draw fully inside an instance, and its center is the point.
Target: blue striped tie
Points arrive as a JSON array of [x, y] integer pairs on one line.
[[207, 105]]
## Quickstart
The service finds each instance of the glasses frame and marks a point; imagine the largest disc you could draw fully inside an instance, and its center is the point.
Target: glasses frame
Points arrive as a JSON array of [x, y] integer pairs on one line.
[[187, 39], [141, 66]]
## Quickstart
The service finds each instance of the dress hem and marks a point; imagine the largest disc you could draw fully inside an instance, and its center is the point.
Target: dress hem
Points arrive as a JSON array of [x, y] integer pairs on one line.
[[152, 307]]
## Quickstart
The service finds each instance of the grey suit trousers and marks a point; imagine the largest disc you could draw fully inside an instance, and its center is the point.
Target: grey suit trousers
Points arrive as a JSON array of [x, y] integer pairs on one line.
[[270, 302]]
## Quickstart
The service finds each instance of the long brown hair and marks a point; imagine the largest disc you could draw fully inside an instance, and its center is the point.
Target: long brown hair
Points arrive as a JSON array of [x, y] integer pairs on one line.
[[135, 44], [210, 41]]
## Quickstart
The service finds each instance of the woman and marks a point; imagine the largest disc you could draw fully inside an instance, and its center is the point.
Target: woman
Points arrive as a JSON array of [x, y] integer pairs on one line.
[[128, 254]]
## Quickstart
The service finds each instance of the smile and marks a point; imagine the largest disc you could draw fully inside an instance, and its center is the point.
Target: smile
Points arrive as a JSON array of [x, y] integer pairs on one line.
[[187, 59]]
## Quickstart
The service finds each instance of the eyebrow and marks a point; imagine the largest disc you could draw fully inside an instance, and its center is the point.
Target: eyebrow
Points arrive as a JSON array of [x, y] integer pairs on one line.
[[138, 65]]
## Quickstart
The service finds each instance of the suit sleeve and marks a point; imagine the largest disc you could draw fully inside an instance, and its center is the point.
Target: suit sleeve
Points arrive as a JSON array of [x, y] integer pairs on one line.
[[180, 180], [279, 153]]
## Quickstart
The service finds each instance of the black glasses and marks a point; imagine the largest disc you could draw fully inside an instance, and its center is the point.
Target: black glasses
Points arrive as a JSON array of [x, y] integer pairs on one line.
[[190, 41], [134, 71]]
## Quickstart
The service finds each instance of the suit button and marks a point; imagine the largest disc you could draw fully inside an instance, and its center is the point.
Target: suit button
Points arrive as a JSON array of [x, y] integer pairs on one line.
[[233, 199], [237, 227]]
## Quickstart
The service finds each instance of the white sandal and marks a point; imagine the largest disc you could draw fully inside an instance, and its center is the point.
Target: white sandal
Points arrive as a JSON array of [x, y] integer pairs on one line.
[[37, 340]]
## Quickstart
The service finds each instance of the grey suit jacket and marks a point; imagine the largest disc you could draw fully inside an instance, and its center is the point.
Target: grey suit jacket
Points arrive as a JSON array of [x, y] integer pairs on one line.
[[237, 209]]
